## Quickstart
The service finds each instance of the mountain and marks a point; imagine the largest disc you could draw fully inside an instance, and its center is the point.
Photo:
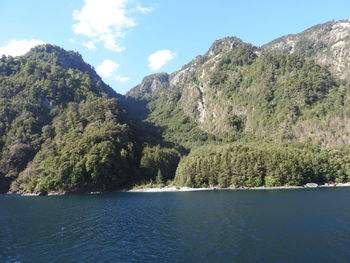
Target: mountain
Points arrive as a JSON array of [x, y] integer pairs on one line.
[[294, 89], [179, 103], [61, 127], [238, 115], [256, 116]]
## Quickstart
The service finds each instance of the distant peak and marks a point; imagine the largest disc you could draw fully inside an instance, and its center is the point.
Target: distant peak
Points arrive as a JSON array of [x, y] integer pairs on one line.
[[343, 20], [224, 44], [157, 76], [45, 48], [51, 49], [150, 84], [57, 55]]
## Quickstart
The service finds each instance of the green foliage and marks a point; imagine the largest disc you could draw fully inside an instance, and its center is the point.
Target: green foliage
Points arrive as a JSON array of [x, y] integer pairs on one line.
[[254, 165], [58, 128], [91, 150], [159, 163], [159, 178], [161, 120]]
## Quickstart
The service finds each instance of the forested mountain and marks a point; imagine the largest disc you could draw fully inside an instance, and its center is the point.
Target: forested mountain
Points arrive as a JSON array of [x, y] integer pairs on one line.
[[293, 89], [62, 128], [60, 125], [256, 104], [245, 116]]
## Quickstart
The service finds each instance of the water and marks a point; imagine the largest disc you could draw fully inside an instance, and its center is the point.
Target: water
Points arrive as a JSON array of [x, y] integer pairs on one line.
[[300, 225]]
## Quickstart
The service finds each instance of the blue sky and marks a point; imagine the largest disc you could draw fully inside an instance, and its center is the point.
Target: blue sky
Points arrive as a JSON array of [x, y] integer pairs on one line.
[[126, 40]]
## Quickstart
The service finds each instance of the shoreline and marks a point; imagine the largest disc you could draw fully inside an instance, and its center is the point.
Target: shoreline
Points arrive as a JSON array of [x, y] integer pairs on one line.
[[189, 189], [186, 189]]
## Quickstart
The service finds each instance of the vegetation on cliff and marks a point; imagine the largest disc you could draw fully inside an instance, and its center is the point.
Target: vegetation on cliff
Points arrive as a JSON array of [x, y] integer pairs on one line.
[[242, 94], [245, 116]]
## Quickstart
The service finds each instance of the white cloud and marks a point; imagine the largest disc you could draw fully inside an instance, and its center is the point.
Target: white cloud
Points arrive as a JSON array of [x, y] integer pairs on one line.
[[121, 79], [106, 21], [19, 47], [144, 10], [90, 45], [158, 59], [108, 69]]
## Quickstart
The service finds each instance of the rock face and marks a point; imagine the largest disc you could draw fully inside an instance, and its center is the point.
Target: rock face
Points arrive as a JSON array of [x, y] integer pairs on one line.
[[328, 44], [156, 83], [150, 85], [192, 87]]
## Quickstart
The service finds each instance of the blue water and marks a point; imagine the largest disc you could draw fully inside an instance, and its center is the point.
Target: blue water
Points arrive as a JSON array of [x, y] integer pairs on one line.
[[303, 225]]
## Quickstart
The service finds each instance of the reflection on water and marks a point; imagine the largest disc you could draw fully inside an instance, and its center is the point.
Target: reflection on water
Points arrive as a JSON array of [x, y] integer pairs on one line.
[[300, 225]]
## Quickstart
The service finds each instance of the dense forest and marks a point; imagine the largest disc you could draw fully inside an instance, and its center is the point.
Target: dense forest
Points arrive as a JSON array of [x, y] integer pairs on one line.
[[62, 128], [255, 165], [239, 115]]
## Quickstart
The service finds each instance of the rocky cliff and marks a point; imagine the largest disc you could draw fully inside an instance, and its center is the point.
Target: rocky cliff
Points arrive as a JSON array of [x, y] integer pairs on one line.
[[328, 44]]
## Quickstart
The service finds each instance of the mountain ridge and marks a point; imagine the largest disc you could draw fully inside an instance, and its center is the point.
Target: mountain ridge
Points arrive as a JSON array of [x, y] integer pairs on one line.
[[215, 91], [327, 43]]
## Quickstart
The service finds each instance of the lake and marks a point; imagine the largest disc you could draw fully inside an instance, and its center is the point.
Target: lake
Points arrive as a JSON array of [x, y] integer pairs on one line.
[[295, 225]]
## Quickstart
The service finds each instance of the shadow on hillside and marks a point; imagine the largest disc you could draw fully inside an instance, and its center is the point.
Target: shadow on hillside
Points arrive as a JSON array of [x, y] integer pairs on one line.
[[137, 111]]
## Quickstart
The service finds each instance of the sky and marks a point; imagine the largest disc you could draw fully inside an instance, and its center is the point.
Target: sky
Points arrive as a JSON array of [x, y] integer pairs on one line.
[[126, 40]]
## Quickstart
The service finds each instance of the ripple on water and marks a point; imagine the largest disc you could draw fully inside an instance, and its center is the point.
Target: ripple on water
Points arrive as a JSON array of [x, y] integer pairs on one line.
[[217, 226]]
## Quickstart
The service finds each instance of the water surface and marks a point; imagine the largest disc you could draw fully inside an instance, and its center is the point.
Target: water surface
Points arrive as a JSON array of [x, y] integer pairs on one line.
[[298, 225]]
